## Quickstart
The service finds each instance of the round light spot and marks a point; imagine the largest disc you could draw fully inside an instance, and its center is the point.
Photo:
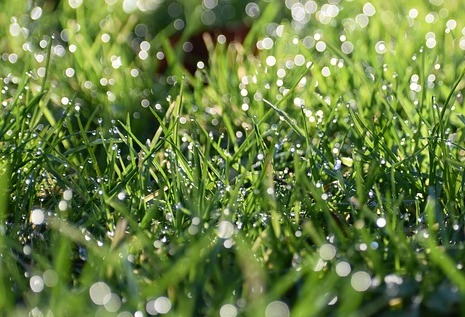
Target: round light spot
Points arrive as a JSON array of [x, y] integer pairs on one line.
[[74, 4], [68, 194], [208, 17], [380, 47], [327, 252], [37, 216], [27, 250], [343, 269], [144, 46], [116, 62], [299, 60], [13, 58], [98, 292], [252, 10], [362, 20], [179, 24], [320, 46], [134, 72], [308, 42], [69, 72], [298, 12], [325, 71], [431, 42], [122, 195], [63, 205], [162, 305], [270, 191], [462, 43], [277, 309], [105, 38], [451, 24], [413, 13], [228, 310], [347, 47], [267, 43], [36, 13], [360, 281], [271, 61], [112, 302], [143, 55], [129, 6], [381, 222], [50, 278], [369, 9], [225, 229], [429, 18], [36, 283]]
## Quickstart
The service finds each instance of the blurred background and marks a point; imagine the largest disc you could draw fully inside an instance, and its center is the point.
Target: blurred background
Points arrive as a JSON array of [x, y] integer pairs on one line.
[[120, 56]]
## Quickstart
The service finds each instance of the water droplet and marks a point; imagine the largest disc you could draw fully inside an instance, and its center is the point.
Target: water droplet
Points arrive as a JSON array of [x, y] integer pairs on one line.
[[320, 46], [380, 47], [37, 216], [36, 283], [161, 305], [277, 309], [369, 9], [36, 13], [98, 292], [343, 269], [50, 278], [225, 229], [63, 205], [360, 281], [228, 310], [27, 250], [112, 302], [252, 10], [68, 194], [347, 47], [381, 222], [327, 252]]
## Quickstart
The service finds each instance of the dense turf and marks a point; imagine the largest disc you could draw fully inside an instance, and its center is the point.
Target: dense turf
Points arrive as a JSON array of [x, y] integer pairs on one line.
[[316, 169]]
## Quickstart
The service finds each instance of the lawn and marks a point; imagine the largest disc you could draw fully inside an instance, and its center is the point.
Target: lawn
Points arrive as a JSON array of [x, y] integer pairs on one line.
[[232, 158]]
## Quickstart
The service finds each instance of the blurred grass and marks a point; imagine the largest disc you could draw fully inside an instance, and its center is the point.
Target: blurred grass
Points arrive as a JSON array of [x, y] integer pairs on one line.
[[297, 178]]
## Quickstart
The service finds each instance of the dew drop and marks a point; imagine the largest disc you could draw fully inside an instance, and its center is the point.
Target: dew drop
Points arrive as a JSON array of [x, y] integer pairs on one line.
[[98, 292], [228, 310], [225, 229], [360, 281], [343, 269], [37, 216], [327, 252], [36, 283], [277, 309]]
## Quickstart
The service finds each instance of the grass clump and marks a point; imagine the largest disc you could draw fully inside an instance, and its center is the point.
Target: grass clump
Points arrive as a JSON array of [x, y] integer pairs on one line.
[[318, 174]]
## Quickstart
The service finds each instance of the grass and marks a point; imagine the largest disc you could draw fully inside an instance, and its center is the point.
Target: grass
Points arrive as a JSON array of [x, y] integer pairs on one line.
[[321, 175]]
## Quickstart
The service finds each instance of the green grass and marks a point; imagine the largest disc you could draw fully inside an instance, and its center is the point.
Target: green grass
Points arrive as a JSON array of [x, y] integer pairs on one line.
[[321, 181]]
